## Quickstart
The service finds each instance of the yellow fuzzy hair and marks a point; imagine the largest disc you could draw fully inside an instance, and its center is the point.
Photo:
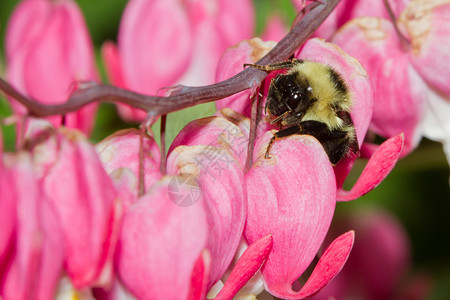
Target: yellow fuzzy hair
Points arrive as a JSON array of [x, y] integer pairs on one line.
[[325, 88]]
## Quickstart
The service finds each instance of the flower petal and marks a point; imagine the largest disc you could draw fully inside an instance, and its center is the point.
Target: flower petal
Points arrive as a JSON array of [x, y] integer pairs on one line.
[[248, 264], [378, 167], [24, 25], [160, 243], [354, 76], [111, 57], [56, 53], [199, 278], [329, 265], [216, 25], [291, 196], [347, 10], [24, 261], [155, 44], [215, 132], [36, 258], [121, 150], [231, 63], [399, 98], [221, 182], [359, 84], [7, 211], [85, 201], [426, 23]]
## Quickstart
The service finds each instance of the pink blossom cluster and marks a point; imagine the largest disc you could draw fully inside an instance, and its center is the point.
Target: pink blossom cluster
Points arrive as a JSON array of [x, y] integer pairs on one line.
[[103, 221], [404, 55]]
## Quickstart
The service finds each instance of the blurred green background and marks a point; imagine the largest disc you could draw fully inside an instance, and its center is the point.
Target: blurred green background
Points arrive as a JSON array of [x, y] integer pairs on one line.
[[417, 190]]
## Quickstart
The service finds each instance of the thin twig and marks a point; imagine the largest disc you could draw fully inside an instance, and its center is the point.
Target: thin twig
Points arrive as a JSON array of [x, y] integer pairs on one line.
[[186, 96], [141, 182], [403, 40], [256, 113], [162, 148]]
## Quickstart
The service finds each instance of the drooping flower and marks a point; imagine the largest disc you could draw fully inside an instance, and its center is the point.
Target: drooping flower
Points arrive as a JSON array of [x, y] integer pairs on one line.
[[163, 43], [231, 63], [33, 266], [48, 51], [220, 179], [6, 211], [284, 192], [400, 101], [214, 149], [84, 200], [122, 154], [292, 196], [426, 24], [160, 243], [208, 177], [347, 10], [399, 91]]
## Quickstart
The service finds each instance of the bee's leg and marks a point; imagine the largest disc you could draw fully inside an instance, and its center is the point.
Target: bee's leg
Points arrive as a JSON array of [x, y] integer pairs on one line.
[[282, 133], [280, 118], [276, 66]]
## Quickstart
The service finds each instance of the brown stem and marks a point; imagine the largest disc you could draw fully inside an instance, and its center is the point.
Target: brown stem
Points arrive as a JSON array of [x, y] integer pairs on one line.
[[254, 122], [403, 40], [186, 96], [141, 182], [162, 148]]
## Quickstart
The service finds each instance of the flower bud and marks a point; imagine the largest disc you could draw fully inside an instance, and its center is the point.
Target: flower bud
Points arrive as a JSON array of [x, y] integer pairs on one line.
[[48, 50]]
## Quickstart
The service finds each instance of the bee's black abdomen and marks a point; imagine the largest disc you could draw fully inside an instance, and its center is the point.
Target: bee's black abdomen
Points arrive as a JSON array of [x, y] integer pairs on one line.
[[338, 81]]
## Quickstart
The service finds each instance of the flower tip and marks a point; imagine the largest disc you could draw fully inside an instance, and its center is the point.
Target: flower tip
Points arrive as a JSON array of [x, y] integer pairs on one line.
[[248, 264], [379, 166], [199, 277]]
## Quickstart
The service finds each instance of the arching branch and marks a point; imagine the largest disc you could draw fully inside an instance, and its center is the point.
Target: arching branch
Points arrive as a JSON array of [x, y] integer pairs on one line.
[[185, 96]]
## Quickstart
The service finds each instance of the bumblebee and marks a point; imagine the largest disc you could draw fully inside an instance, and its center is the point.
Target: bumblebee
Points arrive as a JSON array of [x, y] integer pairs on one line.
[[311, 98]]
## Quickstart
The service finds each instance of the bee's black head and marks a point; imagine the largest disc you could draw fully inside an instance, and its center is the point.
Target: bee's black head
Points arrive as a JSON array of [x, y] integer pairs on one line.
[[285, 94]]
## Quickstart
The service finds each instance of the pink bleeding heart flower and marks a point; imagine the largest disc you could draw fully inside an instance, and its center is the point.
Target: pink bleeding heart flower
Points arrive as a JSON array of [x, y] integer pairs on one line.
[[246, 267], [220, 180], [399, 98], [87, 209], [358, 82], [354, 76], [427, 26], [7, 208], [161, 241], [120, 154], [209, 149], [48, 50], [346, 10], [35, 260], [213, 150], [362, 92], [163, 43], [292, 196], [231, 63], [215, 132]]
